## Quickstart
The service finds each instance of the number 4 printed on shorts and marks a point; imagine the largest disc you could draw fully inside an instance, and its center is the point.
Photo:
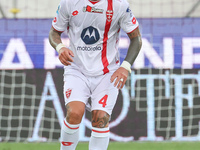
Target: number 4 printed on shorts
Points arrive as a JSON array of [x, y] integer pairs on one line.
[[103, 101]]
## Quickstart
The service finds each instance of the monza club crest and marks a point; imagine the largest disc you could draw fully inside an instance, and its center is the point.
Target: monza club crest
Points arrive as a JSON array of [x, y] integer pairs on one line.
[[68, 93], [109, 15]]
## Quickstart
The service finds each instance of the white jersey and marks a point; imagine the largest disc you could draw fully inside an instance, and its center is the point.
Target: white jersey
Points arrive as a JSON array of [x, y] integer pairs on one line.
[[93, 30]]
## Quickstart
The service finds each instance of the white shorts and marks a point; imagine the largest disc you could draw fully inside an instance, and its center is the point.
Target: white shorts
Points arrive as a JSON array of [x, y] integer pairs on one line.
[[78, 87]]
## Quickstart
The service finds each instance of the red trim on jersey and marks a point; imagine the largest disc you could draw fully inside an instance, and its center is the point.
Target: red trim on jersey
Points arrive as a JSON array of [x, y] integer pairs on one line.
[[70, 127], [101, 131], [118, 30], [94, 2], [133, 30], [105, 39], [57, 30]]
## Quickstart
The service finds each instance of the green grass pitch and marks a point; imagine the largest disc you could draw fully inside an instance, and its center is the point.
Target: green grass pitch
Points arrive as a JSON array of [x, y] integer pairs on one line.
[[112, 146]]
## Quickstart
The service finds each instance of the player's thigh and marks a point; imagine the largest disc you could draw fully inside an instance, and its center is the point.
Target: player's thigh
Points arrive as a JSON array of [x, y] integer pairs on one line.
[[76, 94], [75, 89], [104, 97]]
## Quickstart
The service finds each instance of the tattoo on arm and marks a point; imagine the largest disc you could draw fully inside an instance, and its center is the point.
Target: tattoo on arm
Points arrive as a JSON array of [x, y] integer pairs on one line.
[[100, 119], [134, 34], [134, 47], [54, 37]]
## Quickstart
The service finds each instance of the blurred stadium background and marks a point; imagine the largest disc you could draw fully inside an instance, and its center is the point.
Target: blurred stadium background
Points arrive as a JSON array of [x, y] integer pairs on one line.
[[161, 100], [141, 8]]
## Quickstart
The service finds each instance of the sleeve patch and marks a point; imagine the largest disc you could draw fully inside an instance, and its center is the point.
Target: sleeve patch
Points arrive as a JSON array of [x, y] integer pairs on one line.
[[128, 10]]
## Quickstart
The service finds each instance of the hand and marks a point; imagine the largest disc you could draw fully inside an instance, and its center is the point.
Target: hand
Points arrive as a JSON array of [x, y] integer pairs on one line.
[[120, 77], [65, 56]]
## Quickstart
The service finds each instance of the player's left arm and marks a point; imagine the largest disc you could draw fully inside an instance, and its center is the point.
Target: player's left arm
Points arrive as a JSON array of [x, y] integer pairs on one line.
[[121, 74]]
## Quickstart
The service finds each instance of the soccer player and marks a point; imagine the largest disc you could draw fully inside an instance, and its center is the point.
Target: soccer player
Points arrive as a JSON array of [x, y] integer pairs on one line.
[[91, 63]]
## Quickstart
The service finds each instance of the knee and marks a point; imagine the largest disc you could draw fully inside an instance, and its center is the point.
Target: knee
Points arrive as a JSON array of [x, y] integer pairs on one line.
[[74, 116], [100, 119]]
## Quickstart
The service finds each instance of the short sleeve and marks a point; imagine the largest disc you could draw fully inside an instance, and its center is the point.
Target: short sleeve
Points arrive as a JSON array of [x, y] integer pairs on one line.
[[127, 22], [61, 20]]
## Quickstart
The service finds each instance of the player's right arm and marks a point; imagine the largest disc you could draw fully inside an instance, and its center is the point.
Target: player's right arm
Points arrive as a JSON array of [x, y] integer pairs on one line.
[[59, 25], [65, 54]]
